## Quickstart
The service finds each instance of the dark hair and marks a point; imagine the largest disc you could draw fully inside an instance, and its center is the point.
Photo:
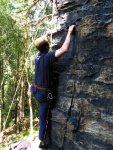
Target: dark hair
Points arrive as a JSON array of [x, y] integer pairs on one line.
[[42, 44]]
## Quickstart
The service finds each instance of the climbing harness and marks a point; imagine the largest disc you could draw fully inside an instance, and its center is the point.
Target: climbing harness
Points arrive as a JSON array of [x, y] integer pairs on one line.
[[40, 88]]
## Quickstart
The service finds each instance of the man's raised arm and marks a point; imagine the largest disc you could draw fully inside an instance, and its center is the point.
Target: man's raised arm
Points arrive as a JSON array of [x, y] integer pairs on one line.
[[64, 48]]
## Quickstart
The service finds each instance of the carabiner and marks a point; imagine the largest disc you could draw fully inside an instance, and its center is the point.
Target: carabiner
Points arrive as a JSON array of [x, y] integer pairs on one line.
[[50, 96]]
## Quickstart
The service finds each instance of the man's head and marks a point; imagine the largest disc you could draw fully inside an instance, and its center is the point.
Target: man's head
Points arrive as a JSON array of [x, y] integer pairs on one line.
[[42, 44]]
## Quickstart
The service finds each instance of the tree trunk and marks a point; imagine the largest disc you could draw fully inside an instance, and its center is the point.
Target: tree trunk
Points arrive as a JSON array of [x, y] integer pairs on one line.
[[21, 101], [15, 86], [1, 98], [31, 117], [1, 92], [83, 78]]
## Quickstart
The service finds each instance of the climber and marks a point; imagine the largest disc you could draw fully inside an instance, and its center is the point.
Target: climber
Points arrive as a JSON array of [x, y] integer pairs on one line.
[[41, 89]]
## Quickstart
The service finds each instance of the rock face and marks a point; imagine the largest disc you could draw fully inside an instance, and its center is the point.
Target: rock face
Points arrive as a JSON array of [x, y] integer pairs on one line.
[[83, 79]]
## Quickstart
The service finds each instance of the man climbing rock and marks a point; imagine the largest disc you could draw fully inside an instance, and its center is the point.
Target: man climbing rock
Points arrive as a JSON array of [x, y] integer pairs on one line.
[[41, 89]]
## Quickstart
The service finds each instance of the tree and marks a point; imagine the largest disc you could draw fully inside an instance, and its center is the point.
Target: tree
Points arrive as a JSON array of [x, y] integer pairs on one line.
[[21, 22]]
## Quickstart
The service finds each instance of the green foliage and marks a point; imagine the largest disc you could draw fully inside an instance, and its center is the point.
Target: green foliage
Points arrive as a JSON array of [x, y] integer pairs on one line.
[[21, 22]]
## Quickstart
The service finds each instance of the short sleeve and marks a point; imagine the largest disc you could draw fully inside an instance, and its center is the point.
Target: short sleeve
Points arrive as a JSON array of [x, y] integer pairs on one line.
[[51, 56]]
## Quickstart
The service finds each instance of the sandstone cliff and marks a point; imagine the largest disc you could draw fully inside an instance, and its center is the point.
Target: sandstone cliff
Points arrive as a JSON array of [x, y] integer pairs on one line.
[[83, 78]]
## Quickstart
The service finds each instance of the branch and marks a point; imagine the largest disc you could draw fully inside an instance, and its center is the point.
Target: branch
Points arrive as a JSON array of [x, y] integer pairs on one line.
[[30, 7], [28, 21], [40, 20], [35, 2]]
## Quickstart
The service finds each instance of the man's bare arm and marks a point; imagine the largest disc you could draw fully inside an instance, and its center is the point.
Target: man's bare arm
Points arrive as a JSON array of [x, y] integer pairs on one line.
[[66, 43]]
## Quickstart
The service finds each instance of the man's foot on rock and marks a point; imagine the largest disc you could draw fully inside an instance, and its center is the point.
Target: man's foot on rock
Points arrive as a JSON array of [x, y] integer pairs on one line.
[[43, 145]]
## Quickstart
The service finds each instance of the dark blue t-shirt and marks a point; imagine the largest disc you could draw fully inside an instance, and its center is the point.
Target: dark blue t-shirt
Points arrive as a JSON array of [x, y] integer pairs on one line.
[[43, 68]]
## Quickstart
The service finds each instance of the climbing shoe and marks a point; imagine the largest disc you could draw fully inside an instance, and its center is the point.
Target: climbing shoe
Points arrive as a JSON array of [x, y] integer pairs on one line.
[[45, 146]]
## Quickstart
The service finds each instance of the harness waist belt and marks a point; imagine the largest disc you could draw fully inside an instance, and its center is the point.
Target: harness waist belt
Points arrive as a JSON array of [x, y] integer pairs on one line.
[[40, 88]]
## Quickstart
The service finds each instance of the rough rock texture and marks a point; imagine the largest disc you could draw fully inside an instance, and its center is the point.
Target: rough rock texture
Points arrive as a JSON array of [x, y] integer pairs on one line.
[[83, 78]]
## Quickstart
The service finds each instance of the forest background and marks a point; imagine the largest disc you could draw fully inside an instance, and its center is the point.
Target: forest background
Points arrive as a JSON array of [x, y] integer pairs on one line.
[[21, 23]]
